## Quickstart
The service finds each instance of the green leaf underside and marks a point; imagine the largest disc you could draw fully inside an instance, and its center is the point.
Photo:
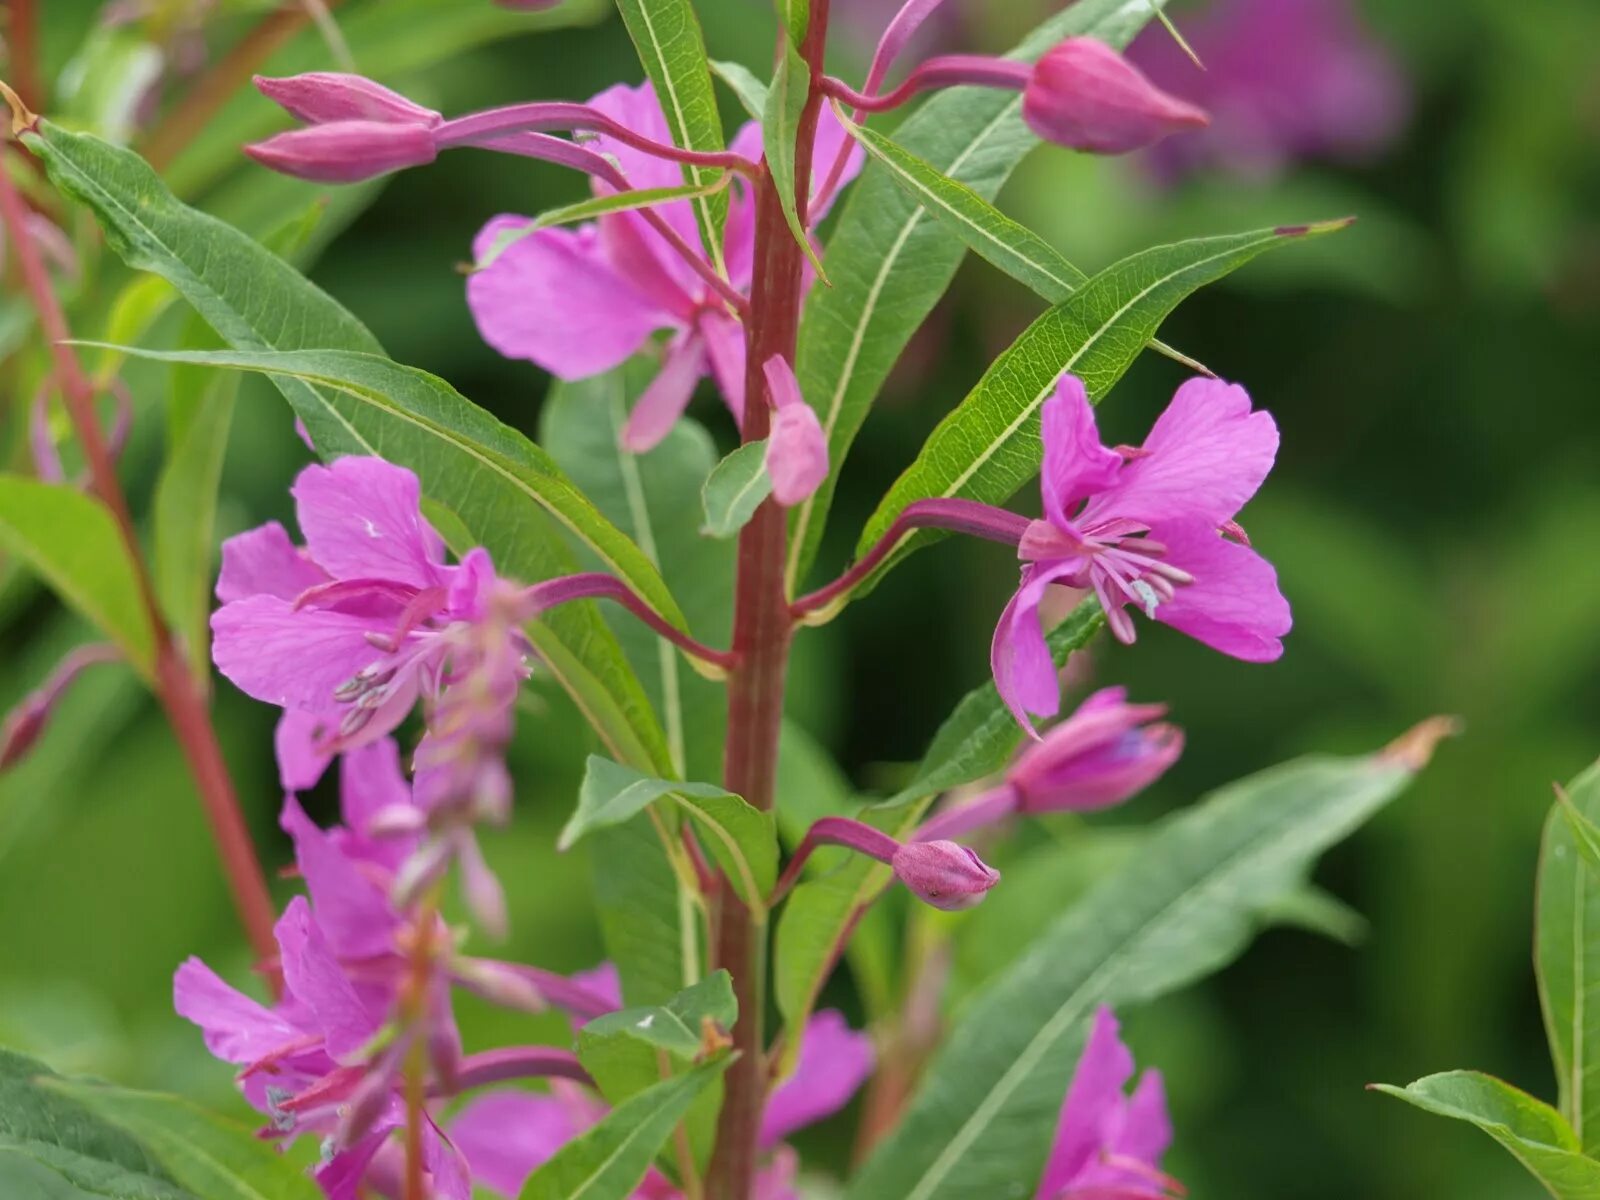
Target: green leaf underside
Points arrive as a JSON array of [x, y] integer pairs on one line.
[[735, 489], [989, 445], [672, 49], [780, 131], [207, 1154], [889, 260], [1567, 960], [71, 540], [742, 82], [1185, 905], [1529, 1129], [741, 838], [607, 1161], [976, 739], [255, 301]]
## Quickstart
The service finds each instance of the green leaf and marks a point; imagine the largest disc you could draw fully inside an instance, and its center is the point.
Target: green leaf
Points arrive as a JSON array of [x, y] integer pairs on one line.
[[890, 261], [599, 206], [648, 919], [72, 541], [1531, 1130], [631, 1050], [673, 50], [735, 489], [1183, 906], [207, 1154], [979, 737], [1567, 959], [1319, 912], [988, 446], [795, 15], [69, 1143], [1585, 833], [780, 132], [988, 232], [607, 1161], [740, 837], [655, 499], [750, 91]]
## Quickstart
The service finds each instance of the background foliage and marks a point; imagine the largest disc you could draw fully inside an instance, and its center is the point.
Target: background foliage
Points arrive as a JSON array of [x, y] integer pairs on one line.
[[1432, 518]]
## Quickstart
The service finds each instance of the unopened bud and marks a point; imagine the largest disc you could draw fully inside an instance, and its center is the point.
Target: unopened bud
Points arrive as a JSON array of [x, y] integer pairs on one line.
[[1086, 96], [346, 151], [319, 97], [1099, 756], [944, 874], [797, 449], [26, 723]]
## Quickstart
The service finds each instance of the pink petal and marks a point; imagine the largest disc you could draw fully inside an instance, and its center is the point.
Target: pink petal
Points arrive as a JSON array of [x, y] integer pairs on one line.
[[362, 519], [552, 298], [1076, 465], [638, 109], [371, 781], [776, 1180], [797, 449], [1093, 1099], [236, 1028], [835, 1061], [725, 348], [263, 561], [1024, 672], [603, 980], [341, 1177], [506, 1135], [1146, 1128], [830, 139], [1205, 457], [452, 1180], [288, 658], [312, 975], [296, 742], [353, 908], [1234, 604], [663, 402]]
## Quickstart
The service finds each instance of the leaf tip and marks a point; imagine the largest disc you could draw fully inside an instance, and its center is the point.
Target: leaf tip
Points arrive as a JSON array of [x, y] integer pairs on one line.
[[22, 119], [1414, 748], [1313, 228]]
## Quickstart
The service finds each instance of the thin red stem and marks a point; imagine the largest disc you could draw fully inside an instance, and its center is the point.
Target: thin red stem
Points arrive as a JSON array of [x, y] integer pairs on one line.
[[595, 585], [22, 33], [482, 128], [174, 683], [952, 70], [834, 831]]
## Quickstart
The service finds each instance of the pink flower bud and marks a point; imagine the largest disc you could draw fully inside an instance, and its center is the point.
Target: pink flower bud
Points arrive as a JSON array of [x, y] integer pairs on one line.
[[25, 724], [320, 97], [346, 151], [797, 449], [944, 874], [1085, 95], [1104, 753]]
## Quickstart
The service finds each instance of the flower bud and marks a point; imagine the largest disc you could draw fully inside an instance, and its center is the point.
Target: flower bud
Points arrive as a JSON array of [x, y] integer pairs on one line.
[[346, 151], [1104, 753], [944, 874], [319, 97], [797, 449], [1085, 95]]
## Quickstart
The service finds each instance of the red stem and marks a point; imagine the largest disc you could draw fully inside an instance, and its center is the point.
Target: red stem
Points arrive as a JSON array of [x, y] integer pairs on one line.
[[762, 627], [595, 585], [22, 32], [174, 684]]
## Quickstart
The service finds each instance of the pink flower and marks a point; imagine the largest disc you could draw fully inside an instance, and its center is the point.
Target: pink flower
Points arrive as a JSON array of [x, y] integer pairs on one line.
[[1109, 1145], [1143, 526], [318, 97], [944, 874], [1104, 753], [797, 449], [578, 302], [1085, 95]]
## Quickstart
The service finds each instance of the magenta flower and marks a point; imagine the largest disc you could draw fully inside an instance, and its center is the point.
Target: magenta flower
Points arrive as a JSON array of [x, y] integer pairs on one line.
[[505, 1136], [1283, 79], [578, 302], [1109, 1145], [1085, 95], [943, 874], [1144, 526]]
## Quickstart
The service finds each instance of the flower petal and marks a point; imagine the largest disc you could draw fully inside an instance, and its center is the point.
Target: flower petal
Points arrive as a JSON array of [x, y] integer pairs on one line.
[[353, 909], [263, 561], [506, 1135], [1234, 604], [1024, 671], [1205, 457], [1094, 1099], [1076, 465], [663, 402], [296, 742], [797, 449], [362, 519], [725, 348], [312, 975], [288, 658], [835, 1061], [552, 298], [236, 1028]]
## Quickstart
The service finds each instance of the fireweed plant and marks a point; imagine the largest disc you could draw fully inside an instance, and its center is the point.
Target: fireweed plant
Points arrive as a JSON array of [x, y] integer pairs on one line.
[[442, 564]]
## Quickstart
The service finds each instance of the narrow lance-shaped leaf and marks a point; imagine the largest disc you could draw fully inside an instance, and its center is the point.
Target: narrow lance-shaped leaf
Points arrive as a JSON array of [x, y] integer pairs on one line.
[[988, 446], [889, 260], [72, 541], [780, 131], [751, 92], [735, 489], [1531, 1130], [673, 50], [1185, 905], [607, 1161], [1567, 959]]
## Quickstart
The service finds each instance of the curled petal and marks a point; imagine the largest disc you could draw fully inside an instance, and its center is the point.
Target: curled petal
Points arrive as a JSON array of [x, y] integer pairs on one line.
[[1076, 465], [1024, 671]]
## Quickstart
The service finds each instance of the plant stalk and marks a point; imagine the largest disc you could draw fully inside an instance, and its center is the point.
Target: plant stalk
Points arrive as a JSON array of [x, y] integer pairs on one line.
[[175, 687], [762, 627], [22, 33]]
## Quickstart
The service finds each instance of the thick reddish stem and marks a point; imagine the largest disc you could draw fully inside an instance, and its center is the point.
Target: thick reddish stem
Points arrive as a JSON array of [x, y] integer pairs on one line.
[[174, 684], [22, 33], [762, 627]]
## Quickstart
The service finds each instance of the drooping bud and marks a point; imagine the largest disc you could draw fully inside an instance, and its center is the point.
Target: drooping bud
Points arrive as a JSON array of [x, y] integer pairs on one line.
[[1086, 96], [1100, 756], [797, 449], [319, 97], [346, 151], [25, 724], [944, 874]]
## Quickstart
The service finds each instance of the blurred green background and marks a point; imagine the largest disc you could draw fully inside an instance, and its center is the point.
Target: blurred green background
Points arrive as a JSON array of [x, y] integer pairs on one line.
[[1435, 516]]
